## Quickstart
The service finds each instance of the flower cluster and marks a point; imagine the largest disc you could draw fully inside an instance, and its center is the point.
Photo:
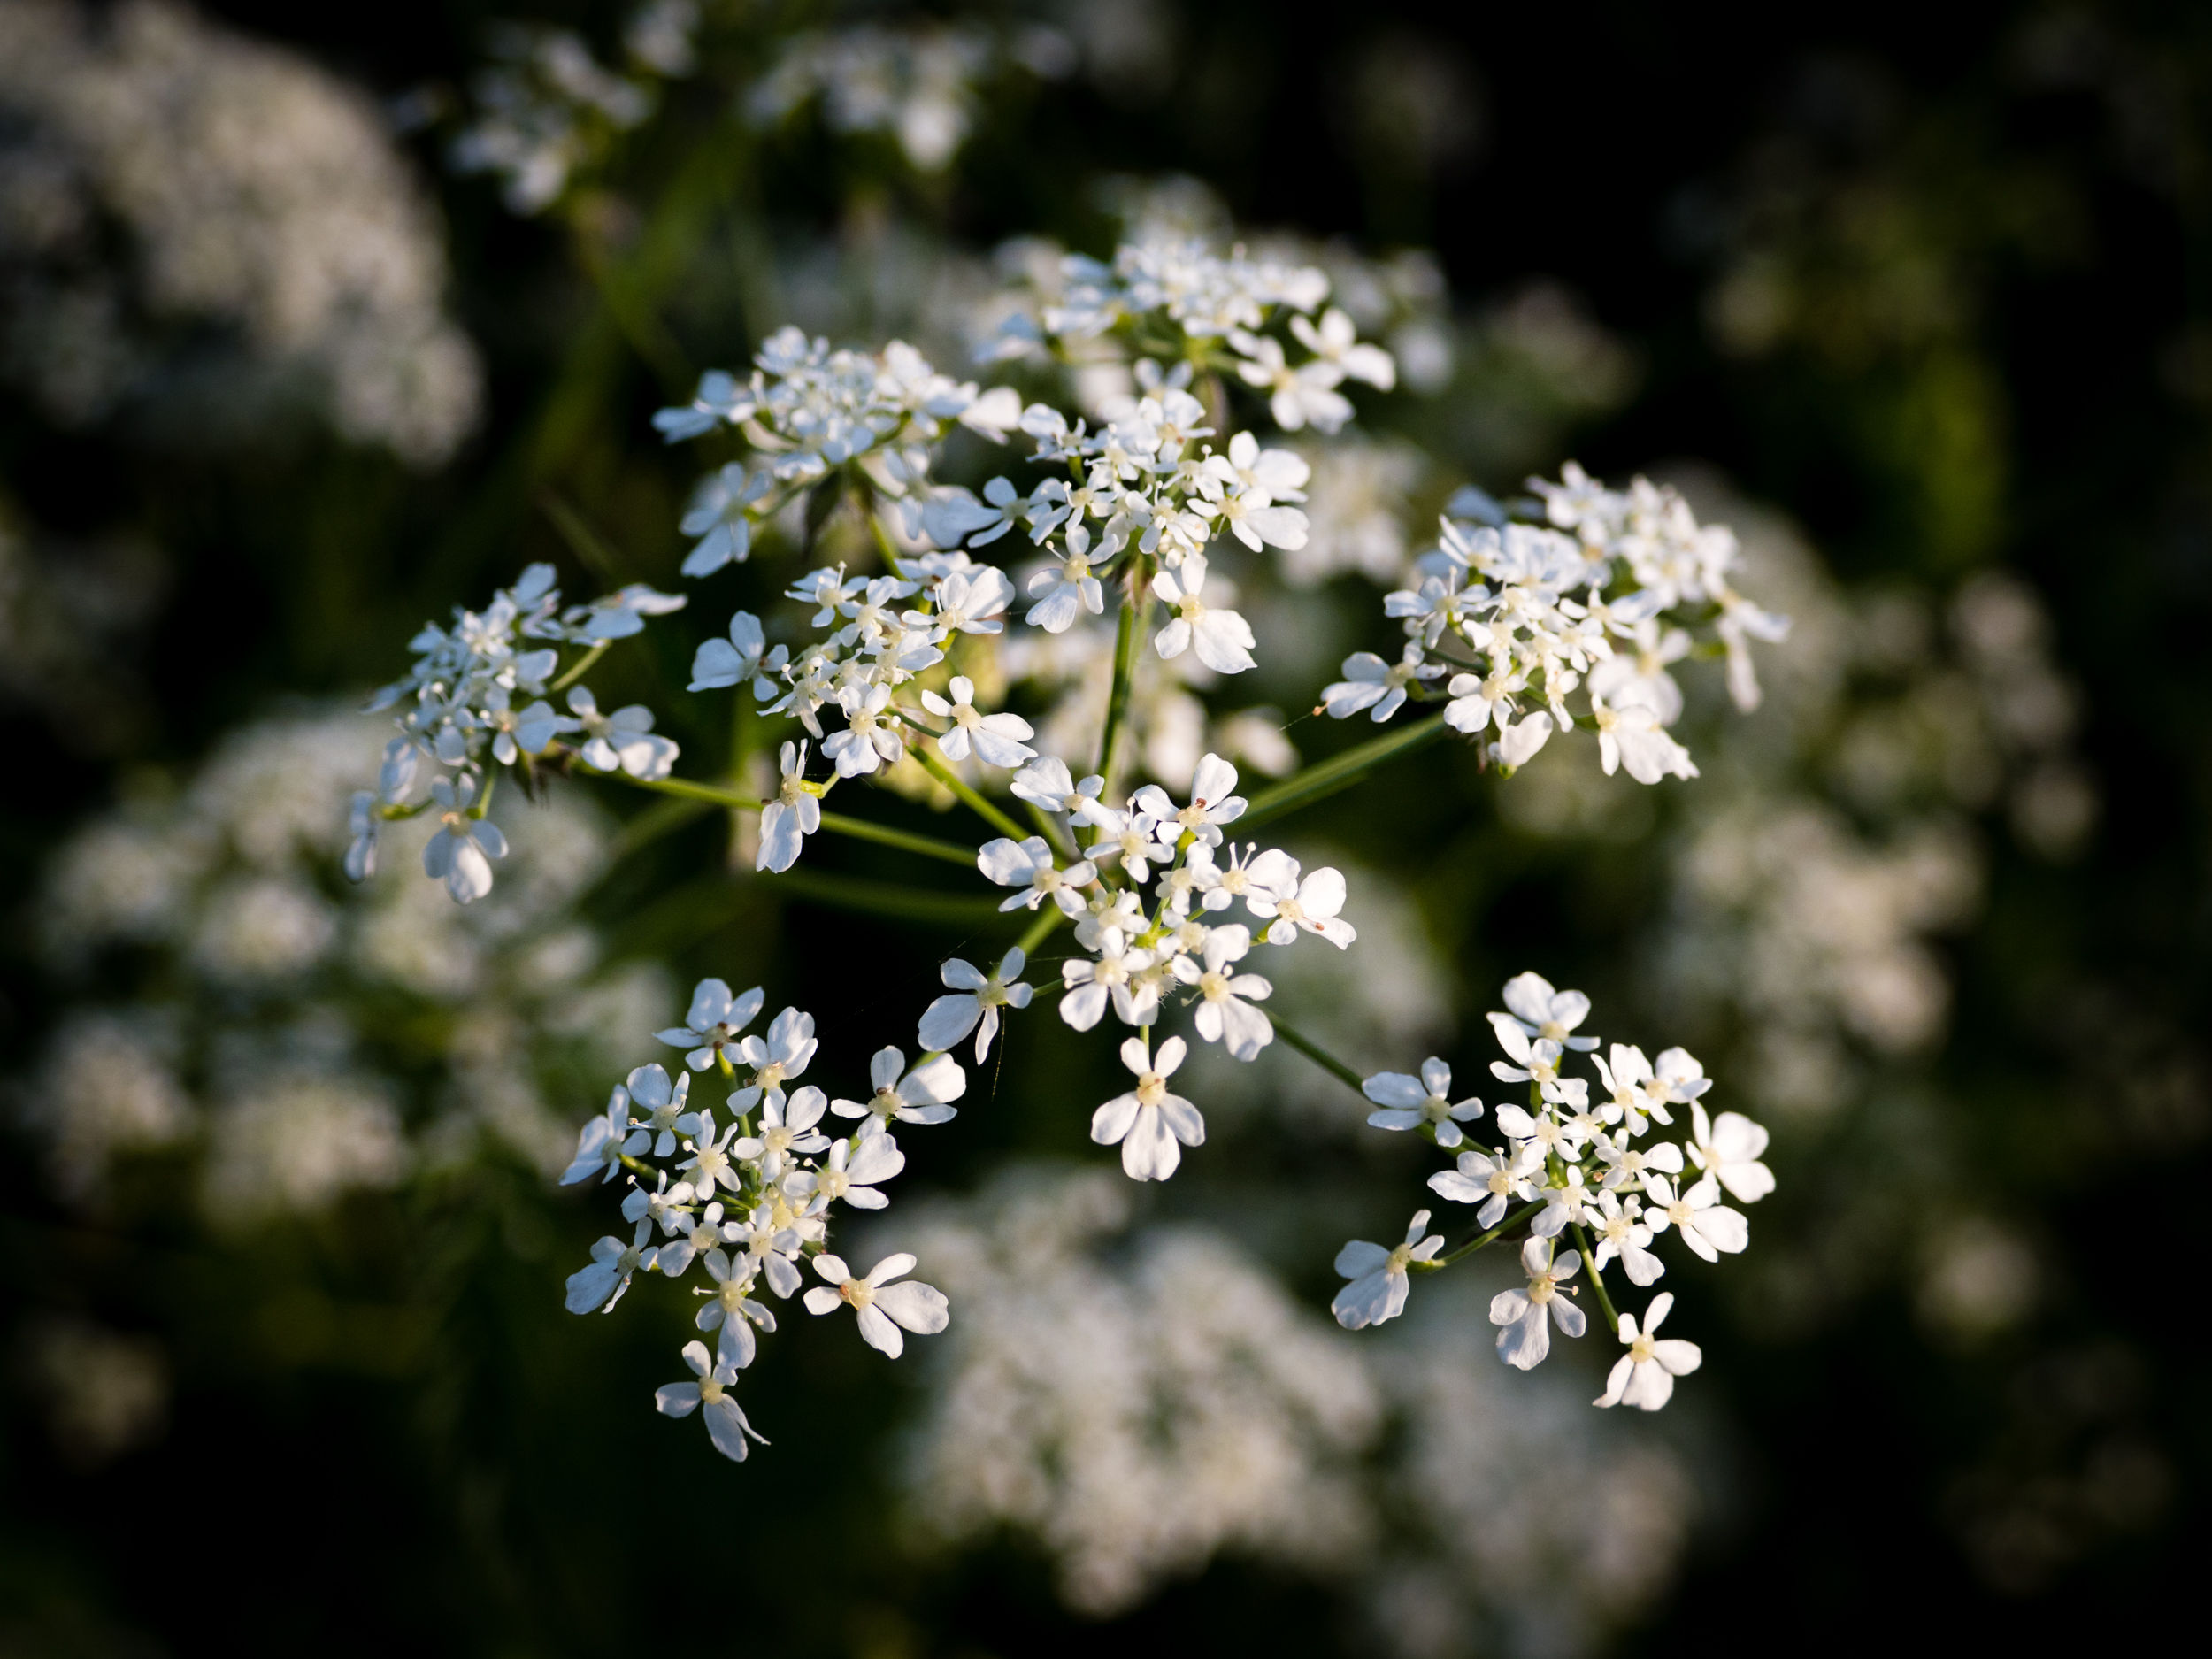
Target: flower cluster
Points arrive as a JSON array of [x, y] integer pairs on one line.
[[1569, 1162], [459, 707], [1497, 611], [1174, 297]]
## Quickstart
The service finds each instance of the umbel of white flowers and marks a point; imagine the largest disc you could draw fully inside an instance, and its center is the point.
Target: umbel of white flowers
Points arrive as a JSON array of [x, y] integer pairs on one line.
[[1572, 607]]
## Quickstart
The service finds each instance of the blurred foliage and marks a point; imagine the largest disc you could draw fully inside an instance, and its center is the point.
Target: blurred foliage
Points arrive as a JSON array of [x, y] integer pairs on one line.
[[1933, 285]]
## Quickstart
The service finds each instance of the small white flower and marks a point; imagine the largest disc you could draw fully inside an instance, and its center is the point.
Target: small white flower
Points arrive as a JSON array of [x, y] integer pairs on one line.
[[719, 518], [1222, 639], [1119, 973], [1214, 802], [973, 601], [1632, 737], [1062, 594], [794, 814], [920, 1096], [1131, 839], [1619, 1231], [690, 1236], [1728, 1149], [713, 1023], [1408, 1103], [1028, 864], [1305, 395], [537, 725], [1493, 1179], [1148, 1122], [727, 1309], [883, 1306], [1379, 1281], [1631, 1167], [782, 1056], [363, 822], [461, 852], [744, 656], [666, 1110], [710, 1163], [1644, 1377], [1048, 784], [621, 741], [997, 738], [727, 1425], [849, 1177], [1378, 687], [1292, 901], [1526, 1315], [1707, 1225], [1225, 1014], [1336, 341], [870, 737], [600, 1148], [1518, 742], [1541, 1011], [976, 1000], [953, 516], [600, 1285], [786, 1130]]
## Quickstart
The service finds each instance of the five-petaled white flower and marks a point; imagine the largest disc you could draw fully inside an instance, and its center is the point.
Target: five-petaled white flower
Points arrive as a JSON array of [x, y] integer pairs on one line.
[[1707, 1225], [786, 1130], [600, 1285], [776, 1059], [727, 1425], [713, 1023], [605, 1139], [794, 814], [1222, 639], [1379, 1280], [622, 741], [1632, 738], [1619, 1231], [849, 1177], [1541, 1011], [1028, 864], [719, 518], [744, 656], [1727, 1148], [1408, 1103], [666, 1111], [1213, 802], [1292, 901], [728, 1309], [1644, 1377], [1064, 593], [975, 1001], [919, 1096], [883, 1306], [1225, 1014], [1149, 1121], [1048, 784], [1526, 1315], [1493, 1179], [1378, 687], [997, 738], [461, 852]]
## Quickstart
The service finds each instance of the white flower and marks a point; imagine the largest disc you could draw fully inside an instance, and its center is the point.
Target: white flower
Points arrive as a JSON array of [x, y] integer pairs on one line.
[[1644, 1377], [600, 1285], [1062, 594], [727, 1425], [1222, 639], [744, 656], [976, 998], [1214, 802], [794, 814], [461, 852], [600, 1148], [1633, 738], [786, 1130], [1620, 1232], [1637, 1093], [1379, 1281], [883, 1306], [1148, 1122], [995, 738], [1727, 1149], [1337, 341], [537, 725], [919, 1097], [1048, 784], [713, 1023], [1408, 1103], [773, 1248], [1707, 1225], [782, 1056], [619, 615], [718, 518], [362, 821], [1225, 1014], [666, 1110], [727, 1309], [1526, 1315], [973, 601], [1541, 1011], [1296, 397], [1538, 1061], [1131, 840], [1310, 903], [1028, 864], [1372, 683], [1518, 742], [953, 516], [710, 1163], [1493, 1179], [623, 740], [1629, 1165], [870, 737], [1115, 974], [850, 1177]]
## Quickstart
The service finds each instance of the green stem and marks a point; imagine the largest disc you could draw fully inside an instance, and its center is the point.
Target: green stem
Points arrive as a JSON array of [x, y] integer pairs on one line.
[[1597, 1282], [580, 667], [483, 802], [892, 899], [1339, 772], [1319, 1056], [1482, 1239], [835, 823], [951, 780], [1125, 672], [1040, 930]]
